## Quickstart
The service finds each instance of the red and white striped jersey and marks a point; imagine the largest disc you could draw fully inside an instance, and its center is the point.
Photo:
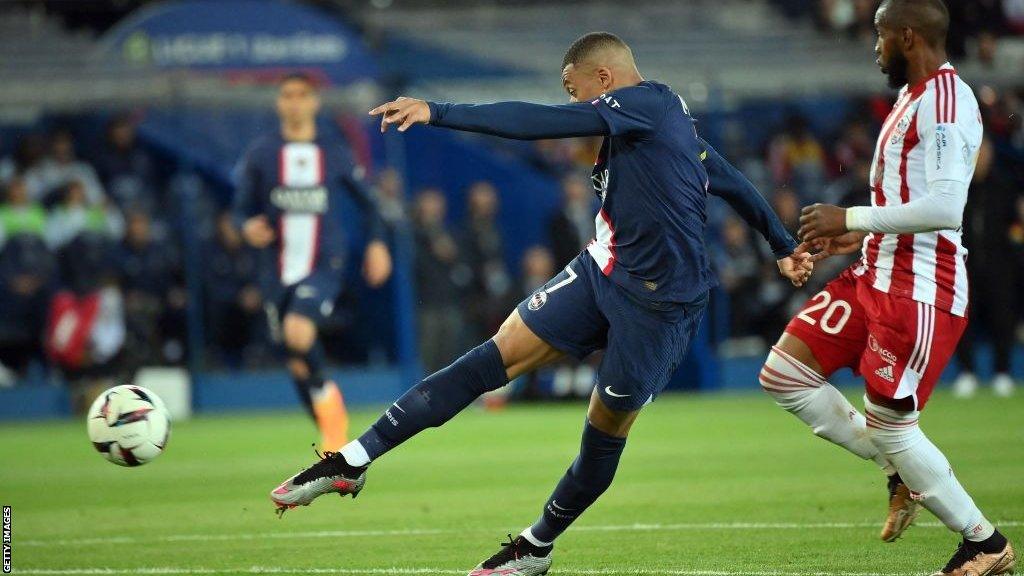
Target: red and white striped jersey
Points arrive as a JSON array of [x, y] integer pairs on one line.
[[932, 134]]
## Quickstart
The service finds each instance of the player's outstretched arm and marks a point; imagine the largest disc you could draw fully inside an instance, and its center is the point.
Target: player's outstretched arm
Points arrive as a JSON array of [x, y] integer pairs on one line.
[[728, 183], [517, 120]]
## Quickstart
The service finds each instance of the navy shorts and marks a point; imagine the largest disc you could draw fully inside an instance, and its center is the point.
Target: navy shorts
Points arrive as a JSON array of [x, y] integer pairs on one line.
[[580, 311], [312, 297]]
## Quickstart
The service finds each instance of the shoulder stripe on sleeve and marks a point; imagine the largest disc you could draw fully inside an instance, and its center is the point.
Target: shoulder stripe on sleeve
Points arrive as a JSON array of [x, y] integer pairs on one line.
[[945, 97], [952, 81]]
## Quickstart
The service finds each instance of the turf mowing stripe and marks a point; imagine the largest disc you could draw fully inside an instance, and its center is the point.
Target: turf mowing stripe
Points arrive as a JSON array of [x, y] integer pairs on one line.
[[427, 532], [400, 571]]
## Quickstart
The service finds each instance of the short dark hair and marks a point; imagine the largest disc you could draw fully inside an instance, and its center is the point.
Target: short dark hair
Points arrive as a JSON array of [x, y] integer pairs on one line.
[[929, 18], [586, 45], [299, 77]]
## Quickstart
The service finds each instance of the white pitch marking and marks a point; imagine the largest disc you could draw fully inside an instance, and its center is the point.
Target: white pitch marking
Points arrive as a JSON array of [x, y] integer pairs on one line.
[[428, 532], [256, 570]]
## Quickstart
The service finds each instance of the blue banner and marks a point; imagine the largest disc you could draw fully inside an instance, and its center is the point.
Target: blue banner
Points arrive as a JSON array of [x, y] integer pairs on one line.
[[255, 39]]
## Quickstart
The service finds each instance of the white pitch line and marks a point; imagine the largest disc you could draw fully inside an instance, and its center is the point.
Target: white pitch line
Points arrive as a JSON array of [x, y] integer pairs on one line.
[[257, 570], [426, 532]]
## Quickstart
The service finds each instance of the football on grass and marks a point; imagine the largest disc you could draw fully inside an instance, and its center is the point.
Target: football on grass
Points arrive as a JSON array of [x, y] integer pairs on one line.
[[128, 425]]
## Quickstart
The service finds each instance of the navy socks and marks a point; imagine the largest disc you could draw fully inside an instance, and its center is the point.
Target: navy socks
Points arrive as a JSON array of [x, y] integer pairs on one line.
[[437, 399], [588, 477]]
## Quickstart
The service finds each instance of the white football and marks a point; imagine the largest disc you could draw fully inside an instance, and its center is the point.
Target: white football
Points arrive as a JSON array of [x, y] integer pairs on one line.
[[128, 425]]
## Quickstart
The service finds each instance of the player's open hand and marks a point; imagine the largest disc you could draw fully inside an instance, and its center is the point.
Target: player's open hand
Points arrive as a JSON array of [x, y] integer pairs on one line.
[[257, 232], [822, 221], [403, 111], [797, 267], [825, 247], [376, 264]]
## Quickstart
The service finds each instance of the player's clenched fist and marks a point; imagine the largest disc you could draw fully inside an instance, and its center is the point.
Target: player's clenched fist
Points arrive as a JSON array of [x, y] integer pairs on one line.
[[797, 267], [257, 232], [822, 221], [403, 111]]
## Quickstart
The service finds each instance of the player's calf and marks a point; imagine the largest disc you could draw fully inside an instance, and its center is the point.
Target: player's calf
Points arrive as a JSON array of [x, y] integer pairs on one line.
[[929, 477]]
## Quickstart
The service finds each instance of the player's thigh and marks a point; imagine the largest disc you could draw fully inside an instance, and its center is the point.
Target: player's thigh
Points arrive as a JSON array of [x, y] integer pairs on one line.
[[310, 303], [645, 346], [909, 344], [563, 315], [521, 349], [830, 331]]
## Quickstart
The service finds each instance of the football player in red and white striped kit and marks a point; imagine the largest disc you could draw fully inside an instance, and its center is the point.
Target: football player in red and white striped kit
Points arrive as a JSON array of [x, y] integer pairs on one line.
[[896, 315]]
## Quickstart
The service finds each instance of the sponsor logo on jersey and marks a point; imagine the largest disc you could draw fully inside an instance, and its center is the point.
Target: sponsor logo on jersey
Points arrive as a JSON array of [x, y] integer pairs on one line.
[[877, 348], [293, 199], [941, 144], [537, 300], [902, 126], [885, 372]]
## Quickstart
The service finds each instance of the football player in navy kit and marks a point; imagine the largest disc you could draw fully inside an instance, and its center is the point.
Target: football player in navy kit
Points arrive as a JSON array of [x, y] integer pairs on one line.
[[287, 202], [638, 291]]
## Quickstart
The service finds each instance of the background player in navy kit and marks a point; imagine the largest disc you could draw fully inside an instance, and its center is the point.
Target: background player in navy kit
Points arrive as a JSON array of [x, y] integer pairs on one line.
[[287, 203], [638, 291]]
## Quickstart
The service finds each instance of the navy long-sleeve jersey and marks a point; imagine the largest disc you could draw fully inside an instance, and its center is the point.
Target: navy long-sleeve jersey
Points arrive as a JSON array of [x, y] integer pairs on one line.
[[296, 185], [652, 174]]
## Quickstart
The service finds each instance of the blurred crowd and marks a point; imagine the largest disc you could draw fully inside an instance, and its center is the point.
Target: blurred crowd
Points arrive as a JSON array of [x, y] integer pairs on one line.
[[89, 275], [976, 26], [92, 279]]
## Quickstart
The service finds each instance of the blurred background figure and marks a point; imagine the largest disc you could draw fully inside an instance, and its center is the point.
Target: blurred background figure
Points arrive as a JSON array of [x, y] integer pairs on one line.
[[154, 295], [988, 219], [483, 248], [60, 168], [126, 169], [441, 282], [234, 309], [572, 227]]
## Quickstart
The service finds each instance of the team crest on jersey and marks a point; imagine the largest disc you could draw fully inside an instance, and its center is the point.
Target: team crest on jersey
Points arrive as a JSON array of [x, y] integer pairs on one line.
[[538, 300], [901, 127]]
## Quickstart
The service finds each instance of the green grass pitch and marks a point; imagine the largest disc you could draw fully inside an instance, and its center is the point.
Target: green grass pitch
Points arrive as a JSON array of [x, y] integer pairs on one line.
[[713, 485]]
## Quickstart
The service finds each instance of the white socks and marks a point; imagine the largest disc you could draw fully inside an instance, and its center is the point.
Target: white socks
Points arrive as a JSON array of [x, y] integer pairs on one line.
[[355, 454], [809, 397], [925, 470], [528, 534]]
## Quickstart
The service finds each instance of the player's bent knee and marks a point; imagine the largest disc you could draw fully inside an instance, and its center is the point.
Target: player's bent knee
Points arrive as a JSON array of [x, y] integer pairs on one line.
[[612, 422], [299, 333], [789, 381]]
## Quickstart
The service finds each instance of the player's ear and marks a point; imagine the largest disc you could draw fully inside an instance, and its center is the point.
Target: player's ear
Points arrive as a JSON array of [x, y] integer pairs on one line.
[[908, 38], [605, 77]]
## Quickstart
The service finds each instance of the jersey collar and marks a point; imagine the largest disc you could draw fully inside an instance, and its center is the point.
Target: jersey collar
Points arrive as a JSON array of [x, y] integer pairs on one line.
[[918, 88]]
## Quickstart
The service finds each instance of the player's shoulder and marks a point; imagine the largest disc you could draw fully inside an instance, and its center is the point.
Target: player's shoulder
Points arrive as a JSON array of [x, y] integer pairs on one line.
[[268, 143], [947, 99], [645, 93]]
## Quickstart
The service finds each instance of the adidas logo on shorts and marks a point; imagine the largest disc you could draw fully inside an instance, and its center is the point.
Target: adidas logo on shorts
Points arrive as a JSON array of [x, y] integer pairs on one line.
[[885, 372]]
